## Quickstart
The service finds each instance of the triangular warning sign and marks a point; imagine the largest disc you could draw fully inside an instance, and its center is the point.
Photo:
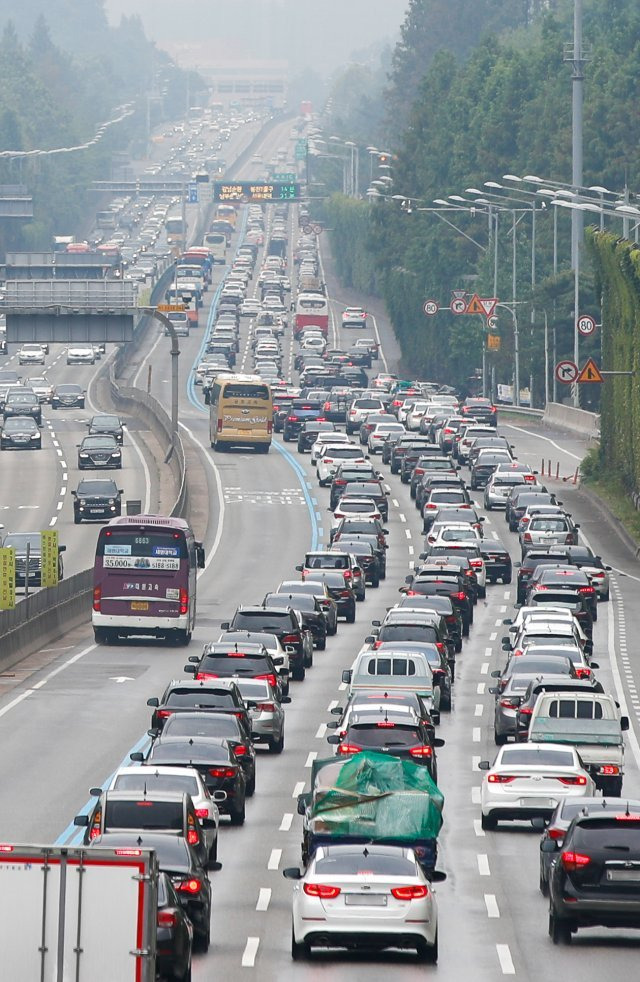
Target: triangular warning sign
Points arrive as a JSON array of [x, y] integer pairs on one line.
[[590, 372], [475, 305], [489, 305]]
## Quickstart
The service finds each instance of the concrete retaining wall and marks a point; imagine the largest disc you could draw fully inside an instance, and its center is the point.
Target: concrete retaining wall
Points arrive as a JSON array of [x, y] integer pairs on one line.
[[570, 418]]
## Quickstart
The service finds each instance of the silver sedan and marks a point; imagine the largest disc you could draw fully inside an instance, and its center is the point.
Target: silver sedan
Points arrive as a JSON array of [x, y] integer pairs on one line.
[[265, 712]]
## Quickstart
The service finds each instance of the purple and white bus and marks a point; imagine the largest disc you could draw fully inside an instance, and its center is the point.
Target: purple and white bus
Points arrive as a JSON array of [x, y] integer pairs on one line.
[[144, 579]]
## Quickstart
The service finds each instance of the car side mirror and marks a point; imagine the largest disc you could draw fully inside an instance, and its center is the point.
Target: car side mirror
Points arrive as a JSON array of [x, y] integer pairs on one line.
[[200, 558], [576, 525], [422, 555], [437, 876], [303, 800], [376, 623], [154, 702], [95, 792], [496, 674], [299, 567], [333, 724], [334, 739], [539, 823], [438, 742], [594, 664], [74, 494], [506, 646], [81, 820], [408, 579], [337, 711], [190, 669], [549, 845], [370, 638], [346, 676], [481, 518], [494, 690], [137, 755], [285, 700], [506, 640], [624, 722], [292, 873], [225, 625], [484, 765], [194, 659]]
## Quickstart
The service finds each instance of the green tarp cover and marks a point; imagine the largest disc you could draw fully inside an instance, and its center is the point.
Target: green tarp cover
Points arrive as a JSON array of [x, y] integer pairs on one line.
[[606, 732], [375, 795]]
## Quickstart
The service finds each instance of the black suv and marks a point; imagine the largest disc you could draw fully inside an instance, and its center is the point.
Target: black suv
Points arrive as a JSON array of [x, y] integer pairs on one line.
[[22, 404], [311, 613], [286, 626], [180, 696], [96, 500], [310, 431], [595, 879], [299, 412]]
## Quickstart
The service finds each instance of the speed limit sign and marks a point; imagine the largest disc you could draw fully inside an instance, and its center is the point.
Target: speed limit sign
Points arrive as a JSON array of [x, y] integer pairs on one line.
[[458, 306], [431, 307], [586, 325]]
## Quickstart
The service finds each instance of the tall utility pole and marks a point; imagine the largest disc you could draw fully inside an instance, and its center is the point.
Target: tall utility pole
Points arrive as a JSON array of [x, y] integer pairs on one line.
[[576, 55]]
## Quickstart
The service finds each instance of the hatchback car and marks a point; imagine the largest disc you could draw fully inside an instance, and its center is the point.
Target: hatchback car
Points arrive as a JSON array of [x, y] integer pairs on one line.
[[96, 500]]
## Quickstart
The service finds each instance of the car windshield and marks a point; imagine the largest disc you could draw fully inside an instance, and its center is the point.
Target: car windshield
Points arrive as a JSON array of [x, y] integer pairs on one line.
[[20, 425], [20, 541], [68, 390], [534, 756], [98, 487], [21, 398], [111, 421], [147, 779], [98, 442]]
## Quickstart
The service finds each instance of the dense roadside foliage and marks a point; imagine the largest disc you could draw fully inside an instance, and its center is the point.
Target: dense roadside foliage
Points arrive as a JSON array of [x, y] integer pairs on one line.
[[63, 72], [505, 108], [617, 266]]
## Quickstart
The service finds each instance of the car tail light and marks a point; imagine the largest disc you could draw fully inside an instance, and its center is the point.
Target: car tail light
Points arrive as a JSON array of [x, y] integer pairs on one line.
[[166, 919], [577, 780], [97, 598], [586, 590], [349, 748], [222, 771], [583, 672], [290, 639], [266, 707], [192, 837], [500, 778], [440, 646], [421, 752], [290, 419], [163, 713], [476, 563], [609, 769], [219, 424], [189, 886], [430, 506], [347, 574], [345, 593], [410, 893], [184, 601], [525, 710], [385, 725], [202, 812], [270, 678], [118, 852], [327, 406], [203, 676], [460, 595], [240, 750], [95, 832], [321, 890], [517, 652], [573, 861], [510, 702], [527, 537], [270, 426]]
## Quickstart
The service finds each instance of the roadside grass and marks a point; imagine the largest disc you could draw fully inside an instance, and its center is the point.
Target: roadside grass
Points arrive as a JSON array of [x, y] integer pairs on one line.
[[612, 492]]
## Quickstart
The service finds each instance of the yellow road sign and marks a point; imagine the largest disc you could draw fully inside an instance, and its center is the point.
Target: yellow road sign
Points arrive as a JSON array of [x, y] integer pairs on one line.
[[49, 554], [7, 578], [590, 372], [170, 308], [493, 342]]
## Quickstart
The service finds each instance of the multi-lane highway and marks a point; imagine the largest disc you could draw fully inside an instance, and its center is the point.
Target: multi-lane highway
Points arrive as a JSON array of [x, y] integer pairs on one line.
[[74, 713]]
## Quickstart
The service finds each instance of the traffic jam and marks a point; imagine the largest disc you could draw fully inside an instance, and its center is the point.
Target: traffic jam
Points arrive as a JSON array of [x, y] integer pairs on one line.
[[372, 814]]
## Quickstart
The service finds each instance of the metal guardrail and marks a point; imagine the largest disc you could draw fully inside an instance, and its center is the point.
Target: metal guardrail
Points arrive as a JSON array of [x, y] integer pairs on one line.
[[521, 411]]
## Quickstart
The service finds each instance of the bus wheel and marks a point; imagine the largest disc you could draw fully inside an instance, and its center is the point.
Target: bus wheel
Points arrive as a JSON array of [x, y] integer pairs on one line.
[[263, 448], [100, 635]]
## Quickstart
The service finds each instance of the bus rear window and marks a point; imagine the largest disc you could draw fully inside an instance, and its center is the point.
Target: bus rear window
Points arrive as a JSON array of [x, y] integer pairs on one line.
[[144, 544], [240, 390]]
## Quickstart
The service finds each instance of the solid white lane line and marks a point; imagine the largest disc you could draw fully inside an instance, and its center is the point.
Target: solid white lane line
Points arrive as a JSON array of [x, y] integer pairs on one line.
[[483, 864], [298, 789], [505, 959], [310, 758], [264, 898], [14, 702], [521, 429], [274, 859], [250, 952], [221, 505], [285, 824], [492, 905]]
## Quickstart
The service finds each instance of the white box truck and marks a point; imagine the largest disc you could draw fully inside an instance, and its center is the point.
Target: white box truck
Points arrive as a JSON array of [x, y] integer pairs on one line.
[[77, 914]]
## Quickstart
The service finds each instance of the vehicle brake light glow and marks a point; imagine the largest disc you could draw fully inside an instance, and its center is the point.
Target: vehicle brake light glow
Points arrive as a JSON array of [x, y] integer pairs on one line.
[[573, 861], [127, 852], [97, 598], [192, 837], [609, 769], [349, 748], [410, 893], [166, 919], [579, 780], [321, 890], [500, 778], [184, 601], [202, 812], [385, 724], [266, 707], [190, 886], [270, 678], [421, 752], [222, 771]]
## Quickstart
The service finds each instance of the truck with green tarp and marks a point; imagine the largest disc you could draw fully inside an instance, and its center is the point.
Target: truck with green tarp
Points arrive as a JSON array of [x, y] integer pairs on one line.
[[372, 797]]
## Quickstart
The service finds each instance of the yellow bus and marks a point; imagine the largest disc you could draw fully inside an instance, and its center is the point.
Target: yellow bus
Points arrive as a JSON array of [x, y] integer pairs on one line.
[[240, 413], [227, 213]]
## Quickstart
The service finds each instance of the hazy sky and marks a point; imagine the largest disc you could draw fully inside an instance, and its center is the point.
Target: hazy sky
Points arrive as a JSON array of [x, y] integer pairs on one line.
[[320, 34]]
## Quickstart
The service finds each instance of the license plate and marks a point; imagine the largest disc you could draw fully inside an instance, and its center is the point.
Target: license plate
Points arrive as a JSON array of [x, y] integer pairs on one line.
[[623, 875], [537, 803], [95, 511], [139, 605], [365, 900]]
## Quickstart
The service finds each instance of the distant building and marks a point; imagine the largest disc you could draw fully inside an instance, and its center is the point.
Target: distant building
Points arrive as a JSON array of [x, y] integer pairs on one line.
[[248, 83]]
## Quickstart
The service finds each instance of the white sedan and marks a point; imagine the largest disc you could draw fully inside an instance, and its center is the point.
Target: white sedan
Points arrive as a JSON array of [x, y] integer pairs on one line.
[[528, 781], [324, 439], [333, 456], [364, 896], [356, 507], [31, 354]]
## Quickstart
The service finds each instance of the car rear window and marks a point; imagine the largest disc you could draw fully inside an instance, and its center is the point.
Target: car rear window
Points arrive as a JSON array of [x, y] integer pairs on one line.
[[383, 734], [391, 666], [523, 755], [234, 661], [141, 813], [200, 699], [327, 562], [350, 864], [267, 620], [408, 632], [147, 779], [183, 725]]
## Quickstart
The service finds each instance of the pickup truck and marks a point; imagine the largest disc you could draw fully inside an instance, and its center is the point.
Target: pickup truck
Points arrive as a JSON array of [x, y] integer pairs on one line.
[[395, 672], [372, 797], [590, 722]]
